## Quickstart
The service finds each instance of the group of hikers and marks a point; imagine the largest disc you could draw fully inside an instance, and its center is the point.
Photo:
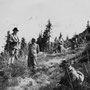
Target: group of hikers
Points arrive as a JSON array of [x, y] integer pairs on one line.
[[32, 58], [14, 44]]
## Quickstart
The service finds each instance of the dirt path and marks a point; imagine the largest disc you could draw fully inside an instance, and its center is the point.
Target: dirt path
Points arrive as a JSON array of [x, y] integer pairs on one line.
[[47, 72]]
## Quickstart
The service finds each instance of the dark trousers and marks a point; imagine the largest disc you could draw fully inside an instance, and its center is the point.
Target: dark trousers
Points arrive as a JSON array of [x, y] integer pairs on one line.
[[31, 62]]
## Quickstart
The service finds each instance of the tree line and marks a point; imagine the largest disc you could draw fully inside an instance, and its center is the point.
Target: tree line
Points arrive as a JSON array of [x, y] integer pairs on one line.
[[43, 40]]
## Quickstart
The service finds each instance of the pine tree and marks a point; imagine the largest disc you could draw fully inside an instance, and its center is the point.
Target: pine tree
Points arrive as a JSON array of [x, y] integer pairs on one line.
[[46, 35], [23, 43], [55, 42], [60, 39], [60, 36], [23, 49], [44, 38], [6, 48], [39, 41], [67, 38]]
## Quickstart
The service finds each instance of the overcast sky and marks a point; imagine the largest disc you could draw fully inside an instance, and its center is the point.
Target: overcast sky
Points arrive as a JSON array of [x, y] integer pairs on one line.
[[31, 16]]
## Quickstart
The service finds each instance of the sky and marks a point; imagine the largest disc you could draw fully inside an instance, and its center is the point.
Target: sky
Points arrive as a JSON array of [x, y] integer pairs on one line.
[[31, 16]]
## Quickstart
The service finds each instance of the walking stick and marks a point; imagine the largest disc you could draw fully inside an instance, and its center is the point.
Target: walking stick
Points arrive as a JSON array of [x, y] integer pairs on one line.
[[87, 63], [69, 79], [86, 69]]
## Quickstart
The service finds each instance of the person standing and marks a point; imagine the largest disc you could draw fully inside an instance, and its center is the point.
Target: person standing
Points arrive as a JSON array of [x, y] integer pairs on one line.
[[13, 46], [32, 55]]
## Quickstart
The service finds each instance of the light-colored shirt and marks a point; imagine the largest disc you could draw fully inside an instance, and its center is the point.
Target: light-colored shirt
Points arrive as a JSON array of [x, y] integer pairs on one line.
[[34, 49]]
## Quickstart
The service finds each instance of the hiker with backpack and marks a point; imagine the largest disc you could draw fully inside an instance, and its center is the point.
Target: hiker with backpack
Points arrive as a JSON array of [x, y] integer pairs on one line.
[[13, 46]]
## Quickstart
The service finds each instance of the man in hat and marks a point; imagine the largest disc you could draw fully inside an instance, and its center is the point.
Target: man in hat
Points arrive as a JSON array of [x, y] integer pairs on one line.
[[13, 46], [33, 51]]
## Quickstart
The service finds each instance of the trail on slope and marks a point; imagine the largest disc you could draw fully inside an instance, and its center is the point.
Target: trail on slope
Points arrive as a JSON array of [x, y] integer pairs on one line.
[[47, 73]]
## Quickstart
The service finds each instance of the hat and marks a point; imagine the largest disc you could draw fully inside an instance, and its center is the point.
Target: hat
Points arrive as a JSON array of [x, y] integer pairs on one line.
[[15, 29], [64, 64], [33, 40]]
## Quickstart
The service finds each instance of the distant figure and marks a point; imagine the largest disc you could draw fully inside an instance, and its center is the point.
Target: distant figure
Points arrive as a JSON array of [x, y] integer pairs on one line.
[[32, 56], [59, 47], [72, 44], [63, 49], [13, 46]]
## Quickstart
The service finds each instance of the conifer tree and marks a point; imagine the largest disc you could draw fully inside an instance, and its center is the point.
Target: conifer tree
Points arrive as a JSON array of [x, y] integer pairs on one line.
[[46, 35], [60, 36], [39, 41], [67, 38], [23, 48], [6, 48], [44, 38]]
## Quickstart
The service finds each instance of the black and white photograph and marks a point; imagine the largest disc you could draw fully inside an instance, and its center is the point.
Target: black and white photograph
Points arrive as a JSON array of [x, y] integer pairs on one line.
[[44, 44]]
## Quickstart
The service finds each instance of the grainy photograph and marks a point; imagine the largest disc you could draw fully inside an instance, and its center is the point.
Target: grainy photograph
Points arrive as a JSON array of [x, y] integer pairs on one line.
[[44, 44]]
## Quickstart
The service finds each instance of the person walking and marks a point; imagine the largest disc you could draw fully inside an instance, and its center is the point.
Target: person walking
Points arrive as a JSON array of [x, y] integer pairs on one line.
[[13, 46], [32, 55]]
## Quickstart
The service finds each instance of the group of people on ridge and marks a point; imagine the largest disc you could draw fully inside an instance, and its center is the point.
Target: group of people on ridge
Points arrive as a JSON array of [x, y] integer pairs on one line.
[[14, 45]]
